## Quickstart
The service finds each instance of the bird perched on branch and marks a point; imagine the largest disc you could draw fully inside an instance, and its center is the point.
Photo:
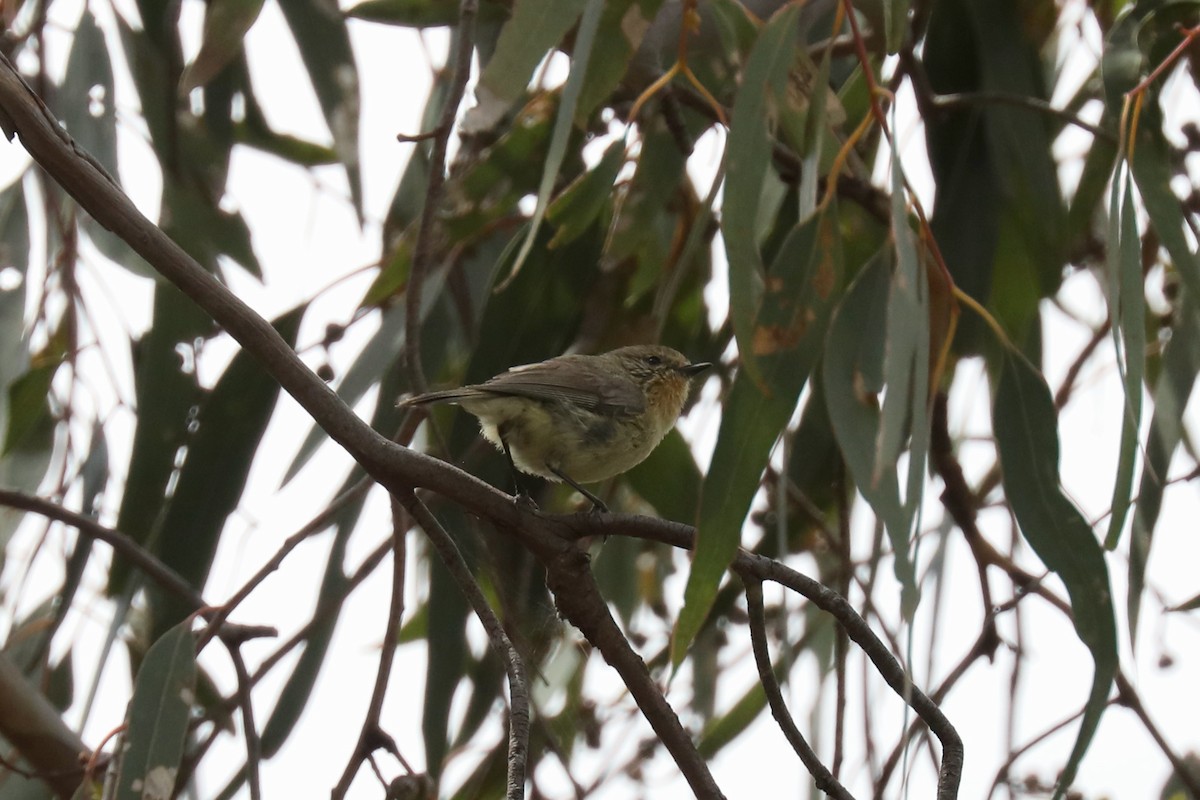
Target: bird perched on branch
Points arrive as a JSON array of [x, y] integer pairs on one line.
[[579, 418]]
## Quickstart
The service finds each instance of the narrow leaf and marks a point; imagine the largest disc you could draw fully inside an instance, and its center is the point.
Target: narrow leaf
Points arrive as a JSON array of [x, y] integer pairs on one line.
[[229, 425], [1180, 364], [789, 335], [581, 202], [563, 125], [225, 25], [748, 154], [1026, 430], [1129, 310], [324, 42], [535, 27], [853, 371], [159, 715]]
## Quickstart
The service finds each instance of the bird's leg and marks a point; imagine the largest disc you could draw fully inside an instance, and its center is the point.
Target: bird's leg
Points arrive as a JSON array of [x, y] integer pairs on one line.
[[519, 494], [597, 503]]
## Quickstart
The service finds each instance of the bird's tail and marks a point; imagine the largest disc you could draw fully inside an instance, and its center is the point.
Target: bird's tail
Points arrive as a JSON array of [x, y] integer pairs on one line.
[[444, 396]]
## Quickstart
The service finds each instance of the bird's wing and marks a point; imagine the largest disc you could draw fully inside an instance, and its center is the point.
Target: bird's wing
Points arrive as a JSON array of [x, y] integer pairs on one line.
[[582, 380]]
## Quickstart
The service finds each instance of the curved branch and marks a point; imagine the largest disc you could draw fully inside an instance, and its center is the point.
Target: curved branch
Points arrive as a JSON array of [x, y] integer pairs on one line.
[[518, 687], [824, 779], [753, 567], [569, 577], [167, 579]]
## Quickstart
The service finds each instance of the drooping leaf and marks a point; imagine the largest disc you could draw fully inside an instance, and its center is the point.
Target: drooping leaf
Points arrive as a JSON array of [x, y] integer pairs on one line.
[[585, 36], [324, 42], [580, 203], [27, 405], [447, 649], [229, 423], [535, 27], [1180, 364], [407, 13], [748, 156], [383, 348], [789, 332], [622, 26], [225, 25], [166, 393], [1026, 430], [998, 216], [87, 106], [1129, 310], [853, 372], [159, 715], [669, 479], [294, 697]]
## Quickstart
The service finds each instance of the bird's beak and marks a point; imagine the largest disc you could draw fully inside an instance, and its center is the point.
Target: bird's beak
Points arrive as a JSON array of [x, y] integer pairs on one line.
[[692, 370]]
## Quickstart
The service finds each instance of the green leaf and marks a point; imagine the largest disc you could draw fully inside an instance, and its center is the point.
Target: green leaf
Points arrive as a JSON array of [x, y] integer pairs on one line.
[[998, 215], [623, 24], [1180, 364], [895, 23], [159, 716], [324, 42], [418, 14], [228, 427], [645, 200], [166, 393], [535, 27], [1153, 173], [225, 25], [669, 479], [14, 240], [580, 203], [853, 372], [206, 231], [563, 127], [86, 103], [723, 729], [23, 469], [1129, 334], [748, 154], [789, 332], [27, 406], [1026, 430]]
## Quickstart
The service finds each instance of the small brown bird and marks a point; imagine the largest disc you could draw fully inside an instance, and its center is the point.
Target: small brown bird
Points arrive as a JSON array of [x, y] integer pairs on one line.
[[579, 418]]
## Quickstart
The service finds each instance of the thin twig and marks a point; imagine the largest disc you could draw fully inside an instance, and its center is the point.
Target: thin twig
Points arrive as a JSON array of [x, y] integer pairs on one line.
[[752, 567], [464, 48], [167, 579], [518, 691], [316, 525], [1128, 697], [822, 777], [369, 737], [841, 643], [249, 730], [969, 99]]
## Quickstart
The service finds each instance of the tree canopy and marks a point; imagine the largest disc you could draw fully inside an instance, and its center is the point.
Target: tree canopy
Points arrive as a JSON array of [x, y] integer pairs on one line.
[[886, 222]]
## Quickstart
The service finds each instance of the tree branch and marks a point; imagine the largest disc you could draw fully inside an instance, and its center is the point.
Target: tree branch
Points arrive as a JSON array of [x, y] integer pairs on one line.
[[167, 579], [823, 778], [423, 248]]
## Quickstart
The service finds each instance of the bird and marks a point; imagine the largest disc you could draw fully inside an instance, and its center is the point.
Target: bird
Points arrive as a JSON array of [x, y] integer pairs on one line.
[[578, 418]]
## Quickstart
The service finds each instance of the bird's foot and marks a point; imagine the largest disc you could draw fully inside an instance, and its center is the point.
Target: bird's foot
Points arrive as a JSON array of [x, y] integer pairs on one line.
[[525, 501]]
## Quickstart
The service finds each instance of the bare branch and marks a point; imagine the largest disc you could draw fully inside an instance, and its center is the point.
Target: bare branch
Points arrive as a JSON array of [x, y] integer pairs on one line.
[[824, 779]]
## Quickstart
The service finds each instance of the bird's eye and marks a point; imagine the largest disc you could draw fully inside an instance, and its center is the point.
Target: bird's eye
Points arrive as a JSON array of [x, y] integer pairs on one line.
[[654, 361]]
